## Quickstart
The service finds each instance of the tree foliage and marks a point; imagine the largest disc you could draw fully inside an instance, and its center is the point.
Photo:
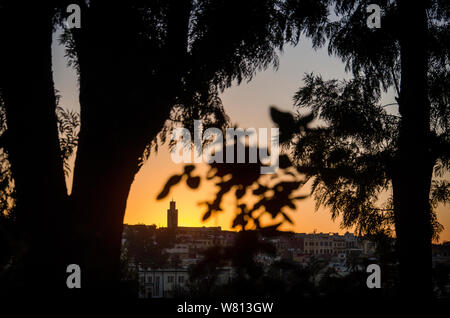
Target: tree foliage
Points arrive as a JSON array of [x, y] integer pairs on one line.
[[349, 155], [271, 196]]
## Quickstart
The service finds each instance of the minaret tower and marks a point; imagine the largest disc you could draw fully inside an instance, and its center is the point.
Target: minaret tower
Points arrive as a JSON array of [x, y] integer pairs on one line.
[[172, 216]]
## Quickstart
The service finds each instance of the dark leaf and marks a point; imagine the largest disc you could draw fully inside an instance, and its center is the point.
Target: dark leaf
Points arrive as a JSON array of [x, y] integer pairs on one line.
[[188, 169], [207, 215], [193, 182], [170, 183]]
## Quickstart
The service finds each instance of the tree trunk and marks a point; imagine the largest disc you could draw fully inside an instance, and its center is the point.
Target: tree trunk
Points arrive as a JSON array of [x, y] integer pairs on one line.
[[117, 122], [32, 141], [414, 169], [123, 108], [99, 199]]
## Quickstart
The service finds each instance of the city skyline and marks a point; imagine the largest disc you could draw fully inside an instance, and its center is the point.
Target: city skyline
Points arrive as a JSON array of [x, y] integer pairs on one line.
[[172, 215]]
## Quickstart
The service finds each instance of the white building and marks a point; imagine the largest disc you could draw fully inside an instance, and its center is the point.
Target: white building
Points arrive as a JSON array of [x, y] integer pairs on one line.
[[164, 283], [319, 244], [158, 283]]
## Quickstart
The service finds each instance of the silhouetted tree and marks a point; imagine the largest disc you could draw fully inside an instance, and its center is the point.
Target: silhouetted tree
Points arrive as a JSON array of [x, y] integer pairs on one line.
[[31, 140], [364, 150], [350, 156], [139, 64], [15, 243], [7, 202]]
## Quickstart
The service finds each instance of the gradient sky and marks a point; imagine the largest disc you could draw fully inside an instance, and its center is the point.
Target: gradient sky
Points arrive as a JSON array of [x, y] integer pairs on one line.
[[248, 106]]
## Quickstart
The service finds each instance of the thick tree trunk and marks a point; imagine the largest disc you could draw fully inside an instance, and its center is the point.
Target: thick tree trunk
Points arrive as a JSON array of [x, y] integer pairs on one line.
[[123, 107], [99, 199], [107, 161], [414, 169], [32, 141], [117, 122]]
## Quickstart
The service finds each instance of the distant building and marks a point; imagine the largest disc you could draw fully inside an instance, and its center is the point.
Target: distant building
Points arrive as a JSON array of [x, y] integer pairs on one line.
[[167, 282], [158, 283], [320, 244], [368, 247], [172, 216], [330, 243]]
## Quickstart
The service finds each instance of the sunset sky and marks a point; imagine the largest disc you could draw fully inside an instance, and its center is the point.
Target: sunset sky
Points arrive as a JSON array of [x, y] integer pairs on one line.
[[248, 106]]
